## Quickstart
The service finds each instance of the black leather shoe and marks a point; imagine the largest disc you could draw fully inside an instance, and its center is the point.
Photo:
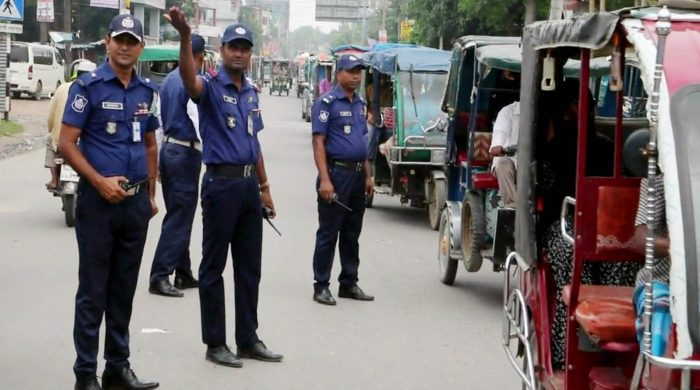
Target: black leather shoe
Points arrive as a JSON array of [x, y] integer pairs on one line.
[[223, 356], [124, 379], [324, 297], [165, 289], [185, 280], [259, 351], [354, 292], [89, 383]]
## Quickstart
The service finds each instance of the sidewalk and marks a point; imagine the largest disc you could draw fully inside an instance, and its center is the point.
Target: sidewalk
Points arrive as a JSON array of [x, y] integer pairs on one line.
[[32, 115]]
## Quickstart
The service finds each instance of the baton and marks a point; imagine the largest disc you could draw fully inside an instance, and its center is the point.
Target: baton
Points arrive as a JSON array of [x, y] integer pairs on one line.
[[266, 215], [334, 198]]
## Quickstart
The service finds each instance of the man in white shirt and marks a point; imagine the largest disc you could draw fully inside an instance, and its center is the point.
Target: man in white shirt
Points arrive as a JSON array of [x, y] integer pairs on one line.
[[505, 135]]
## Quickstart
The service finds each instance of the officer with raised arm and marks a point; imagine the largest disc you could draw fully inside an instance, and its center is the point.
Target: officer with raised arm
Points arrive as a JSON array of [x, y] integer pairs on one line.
[[234, 191]]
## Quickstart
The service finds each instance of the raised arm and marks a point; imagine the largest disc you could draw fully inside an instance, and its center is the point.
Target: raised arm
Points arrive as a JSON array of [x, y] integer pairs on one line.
[[192, 83]]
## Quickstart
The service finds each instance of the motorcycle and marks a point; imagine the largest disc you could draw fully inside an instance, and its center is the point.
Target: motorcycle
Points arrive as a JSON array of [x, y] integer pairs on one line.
[[67, 190]]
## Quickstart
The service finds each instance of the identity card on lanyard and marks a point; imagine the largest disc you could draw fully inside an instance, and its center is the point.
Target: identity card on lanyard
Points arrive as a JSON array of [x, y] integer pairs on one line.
[[136, 130]]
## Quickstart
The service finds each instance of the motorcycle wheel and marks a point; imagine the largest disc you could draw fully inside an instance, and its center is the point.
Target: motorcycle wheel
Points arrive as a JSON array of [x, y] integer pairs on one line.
[[69, 202]]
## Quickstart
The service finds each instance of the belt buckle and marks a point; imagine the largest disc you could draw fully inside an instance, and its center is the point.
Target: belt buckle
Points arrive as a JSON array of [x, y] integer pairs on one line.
[[247, 170], [358, 167]]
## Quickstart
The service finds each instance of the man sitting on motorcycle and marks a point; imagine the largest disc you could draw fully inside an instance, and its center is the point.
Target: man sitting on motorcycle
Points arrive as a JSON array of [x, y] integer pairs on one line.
[[56, 107], [503, 143]]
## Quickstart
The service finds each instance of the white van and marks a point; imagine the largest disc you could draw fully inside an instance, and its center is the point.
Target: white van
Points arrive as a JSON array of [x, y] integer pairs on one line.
[[35, 69]]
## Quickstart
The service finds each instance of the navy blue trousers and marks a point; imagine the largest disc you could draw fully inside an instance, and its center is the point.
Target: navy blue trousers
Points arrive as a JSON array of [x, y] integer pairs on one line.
[[337, 225], [110, 245], [232, 218], [179, 175]]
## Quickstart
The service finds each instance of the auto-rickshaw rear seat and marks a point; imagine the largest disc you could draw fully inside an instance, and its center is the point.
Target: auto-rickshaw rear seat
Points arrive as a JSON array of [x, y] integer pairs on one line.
[[606, 313]]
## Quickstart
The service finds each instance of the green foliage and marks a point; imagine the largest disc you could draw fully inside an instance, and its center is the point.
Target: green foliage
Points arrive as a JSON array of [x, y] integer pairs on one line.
[[247, 17]]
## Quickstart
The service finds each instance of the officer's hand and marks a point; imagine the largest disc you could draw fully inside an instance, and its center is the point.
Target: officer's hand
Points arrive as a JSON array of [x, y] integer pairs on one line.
[[496, 151], [369, 186], [178, 19], [110, 188], [266, 199], [326, 190], [154, 207]]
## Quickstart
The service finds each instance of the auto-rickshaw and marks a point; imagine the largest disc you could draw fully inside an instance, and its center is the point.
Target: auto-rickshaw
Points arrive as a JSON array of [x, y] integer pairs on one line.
[[409, 157], [605, 347], [475, 224], [281, 79], [266, 72], [156, 61], [319, 67], [302, 81]]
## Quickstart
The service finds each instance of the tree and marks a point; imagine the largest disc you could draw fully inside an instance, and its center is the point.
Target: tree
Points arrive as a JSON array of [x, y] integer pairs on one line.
[[247, 17]]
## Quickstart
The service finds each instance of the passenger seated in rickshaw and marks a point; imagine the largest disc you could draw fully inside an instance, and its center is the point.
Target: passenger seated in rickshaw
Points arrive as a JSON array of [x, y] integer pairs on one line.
[[505, 139], [557, 144], [379, 129]]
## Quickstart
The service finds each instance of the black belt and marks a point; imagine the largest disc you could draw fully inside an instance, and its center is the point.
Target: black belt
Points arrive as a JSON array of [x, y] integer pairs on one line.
[[356, 166], [231, 170]]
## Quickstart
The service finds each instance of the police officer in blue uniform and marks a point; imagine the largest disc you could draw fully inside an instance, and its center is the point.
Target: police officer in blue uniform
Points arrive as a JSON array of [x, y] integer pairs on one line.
[[111, 111], [180, 165], [344, 180], [234, 191]]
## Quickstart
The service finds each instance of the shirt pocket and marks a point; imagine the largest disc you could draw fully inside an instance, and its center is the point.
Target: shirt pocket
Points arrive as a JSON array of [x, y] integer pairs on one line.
[[109, 124]]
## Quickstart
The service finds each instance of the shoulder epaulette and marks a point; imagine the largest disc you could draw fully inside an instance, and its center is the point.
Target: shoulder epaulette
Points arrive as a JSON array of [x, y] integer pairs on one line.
[[328, 98], [149, 83], [87, 79]]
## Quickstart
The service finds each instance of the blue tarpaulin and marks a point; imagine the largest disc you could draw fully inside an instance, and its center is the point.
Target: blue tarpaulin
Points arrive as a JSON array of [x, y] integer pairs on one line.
[[405, 58], [343, 48]]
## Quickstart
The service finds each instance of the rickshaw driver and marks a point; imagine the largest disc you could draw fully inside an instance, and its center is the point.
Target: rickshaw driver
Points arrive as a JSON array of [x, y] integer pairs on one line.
[[505, 135]]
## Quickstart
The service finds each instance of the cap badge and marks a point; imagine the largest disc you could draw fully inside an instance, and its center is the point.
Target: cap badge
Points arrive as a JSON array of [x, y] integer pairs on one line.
[[352, 58], [240, 30], [128, 23]]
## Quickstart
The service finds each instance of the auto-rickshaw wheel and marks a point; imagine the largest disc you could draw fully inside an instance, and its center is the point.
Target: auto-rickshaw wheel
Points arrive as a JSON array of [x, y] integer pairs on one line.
[[473, 230], [436, 189], [448, 264]]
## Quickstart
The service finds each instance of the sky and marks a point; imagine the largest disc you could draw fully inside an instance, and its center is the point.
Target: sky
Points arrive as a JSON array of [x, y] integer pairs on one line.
[[302, 13]]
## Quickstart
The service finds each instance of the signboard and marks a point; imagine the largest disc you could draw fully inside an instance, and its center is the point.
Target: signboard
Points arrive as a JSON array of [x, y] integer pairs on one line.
[[406, 29], [11, 28], [12, 10], [339, 10], [160, 4], [114, 4], [44, 11]]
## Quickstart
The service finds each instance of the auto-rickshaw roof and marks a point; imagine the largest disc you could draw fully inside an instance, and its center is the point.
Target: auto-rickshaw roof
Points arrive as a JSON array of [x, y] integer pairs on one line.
[[479, 40], [349, 49], [417, 59], [160, 53], [510, 57]]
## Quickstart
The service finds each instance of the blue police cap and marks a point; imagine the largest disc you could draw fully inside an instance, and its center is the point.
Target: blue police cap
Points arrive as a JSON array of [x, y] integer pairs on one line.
[[197, 44], [237, 31], [349, 62], [126, 24]]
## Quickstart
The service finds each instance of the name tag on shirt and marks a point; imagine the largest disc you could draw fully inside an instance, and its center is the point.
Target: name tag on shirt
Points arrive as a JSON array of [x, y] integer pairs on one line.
[[230, 99], [136, 126], [346, 113], [112, 106]]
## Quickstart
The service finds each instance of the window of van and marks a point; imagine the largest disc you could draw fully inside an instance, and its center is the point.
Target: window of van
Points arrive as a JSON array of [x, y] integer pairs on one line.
[[19, 53], [43, 56]]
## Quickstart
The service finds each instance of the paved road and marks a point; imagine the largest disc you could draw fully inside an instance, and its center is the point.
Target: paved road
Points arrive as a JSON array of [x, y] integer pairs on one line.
[[418, 334]]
